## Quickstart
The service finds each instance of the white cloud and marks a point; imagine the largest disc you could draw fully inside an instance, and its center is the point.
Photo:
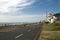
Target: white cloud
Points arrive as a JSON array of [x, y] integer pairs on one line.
[[22, 18], [10, 7], [7, 6]]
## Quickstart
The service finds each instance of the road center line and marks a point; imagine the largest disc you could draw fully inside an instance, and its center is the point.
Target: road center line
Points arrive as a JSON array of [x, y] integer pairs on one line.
[[19, 36], [29, 30]]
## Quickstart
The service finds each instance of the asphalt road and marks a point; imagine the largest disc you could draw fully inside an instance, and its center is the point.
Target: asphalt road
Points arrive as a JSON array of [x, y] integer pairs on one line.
[[26, 33]]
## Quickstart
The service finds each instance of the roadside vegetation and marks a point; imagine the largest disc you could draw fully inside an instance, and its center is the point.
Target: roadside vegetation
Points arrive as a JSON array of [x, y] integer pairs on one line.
[[51, 27], [51, 31]]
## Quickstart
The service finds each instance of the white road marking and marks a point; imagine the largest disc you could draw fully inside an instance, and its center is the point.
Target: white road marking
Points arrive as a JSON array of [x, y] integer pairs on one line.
[[19, 36], [29, 30]]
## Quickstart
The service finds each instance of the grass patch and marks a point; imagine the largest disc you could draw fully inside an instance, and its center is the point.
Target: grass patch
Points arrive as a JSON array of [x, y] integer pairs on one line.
[[50, 31], [51, 27]]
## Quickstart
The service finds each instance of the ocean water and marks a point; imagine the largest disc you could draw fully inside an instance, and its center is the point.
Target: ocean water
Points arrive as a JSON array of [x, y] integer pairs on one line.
[[19, 23]]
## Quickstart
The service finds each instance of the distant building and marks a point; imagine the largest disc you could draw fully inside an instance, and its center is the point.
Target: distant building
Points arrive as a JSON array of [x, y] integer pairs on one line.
[[50, 18], [58, 16]]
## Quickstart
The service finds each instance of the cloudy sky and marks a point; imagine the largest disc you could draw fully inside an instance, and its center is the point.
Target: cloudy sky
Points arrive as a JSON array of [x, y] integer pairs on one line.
[[27, 10]]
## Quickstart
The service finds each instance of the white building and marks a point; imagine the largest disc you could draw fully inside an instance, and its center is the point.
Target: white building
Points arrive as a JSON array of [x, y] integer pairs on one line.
[[50, 18]]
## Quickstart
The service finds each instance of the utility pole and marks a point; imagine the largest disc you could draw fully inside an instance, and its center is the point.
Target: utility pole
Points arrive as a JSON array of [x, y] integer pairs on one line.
[[46, 15]]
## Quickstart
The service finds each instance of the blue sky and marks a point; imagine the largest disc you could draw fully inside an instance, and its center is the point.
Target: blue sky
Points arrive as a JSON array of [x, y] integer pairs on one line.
[[41, 6], [27, 10]]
